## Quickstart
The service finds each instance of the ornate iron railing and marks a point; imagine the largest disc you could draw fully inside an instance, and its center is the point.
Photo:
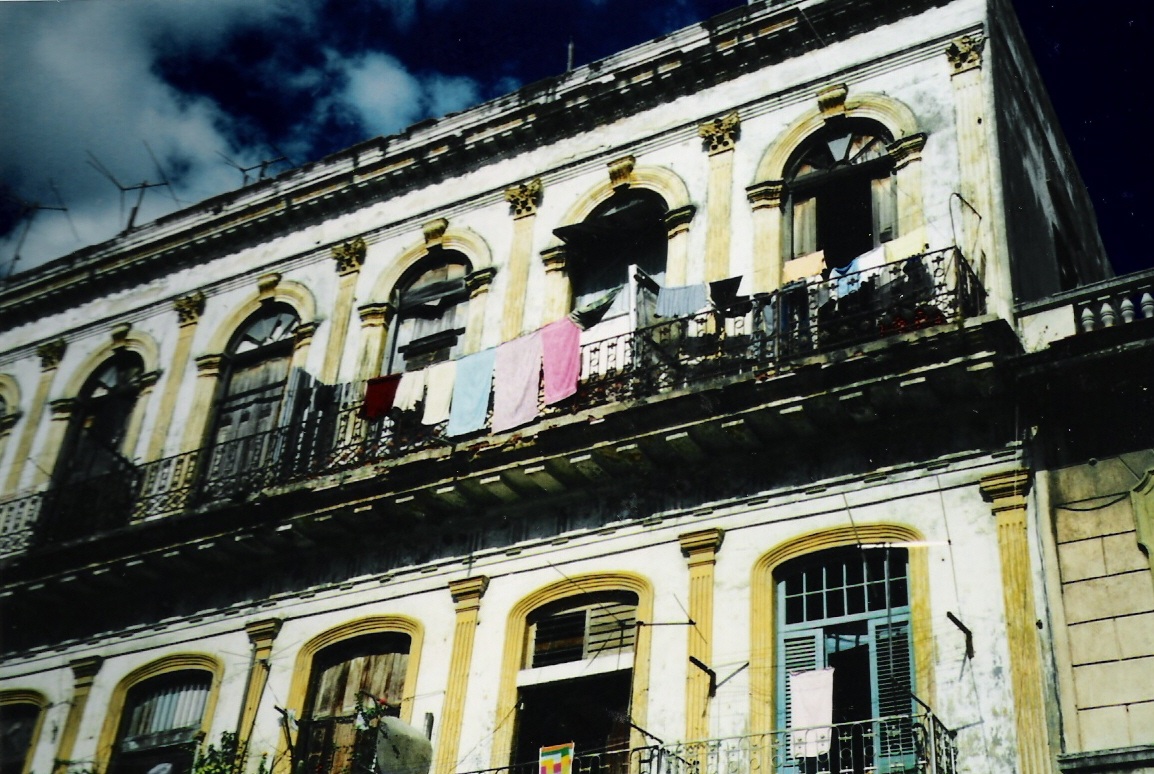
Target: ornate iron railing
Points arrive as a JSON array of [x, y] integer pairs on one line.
[[767, 333]]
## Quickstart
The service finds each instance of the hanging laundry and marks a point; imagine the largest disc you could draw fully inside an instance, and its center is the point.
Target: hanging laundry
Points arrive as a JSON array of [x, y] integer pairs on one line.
[[439, 380], [723, 293], [811, 697], [411, 390], [561, 356], [471, 392], [857, 272], [682, 301], [516, 382], [589, 314], [379, 396]]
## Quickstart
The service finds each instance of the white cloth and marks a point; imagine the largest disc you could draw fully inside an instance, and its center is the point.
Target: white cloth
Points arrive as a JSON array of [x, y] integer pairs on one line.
[[410, 391], [811, 697], [439, 381]]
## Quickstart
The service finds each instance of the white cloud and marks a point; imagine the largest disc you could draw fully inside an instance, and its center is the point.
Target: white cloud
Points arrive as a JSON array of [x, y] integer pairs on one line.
[[387, 97]]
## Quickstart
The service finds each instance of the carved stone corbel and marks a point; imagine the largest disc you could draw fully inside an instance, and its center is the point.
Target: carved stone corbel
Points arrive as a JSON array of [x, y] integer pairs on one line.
[[51, 353], [189, 308], [350, 256], [965, 53], [721, 133], [621, 171], [524, 198]]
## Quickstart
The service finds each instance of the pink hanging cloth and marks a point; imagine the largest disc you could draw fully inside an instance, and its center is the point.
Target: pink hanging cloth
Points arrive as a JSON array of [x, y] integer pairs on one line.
[[561, 354], [516, 382]]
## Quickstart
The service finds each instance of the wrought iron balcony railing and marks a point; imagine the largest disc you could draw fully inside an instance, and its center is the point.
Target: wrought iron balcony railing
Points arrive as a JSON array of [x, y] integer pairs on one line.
[[765, 334]]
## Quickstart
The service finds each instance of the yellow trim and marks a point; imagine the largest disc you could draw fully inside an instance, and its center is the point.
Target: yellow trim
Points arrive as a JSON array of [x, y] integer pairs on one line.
[[463, 240], [38, 700], [663, 181], [176, 663], [288, 292], [377, 624], [10, 392], [763, 616], [516, 632], [140, 343]]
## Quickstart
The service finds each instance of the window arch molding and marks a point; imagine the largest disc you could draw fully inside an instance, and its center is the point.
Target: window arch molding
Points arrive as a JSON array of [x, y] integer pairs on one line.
[[462, 240], [378, 624], [179, 662], [665, 182], [287, 292], [16, 697], [10, 410], [763, 599], [515, 643], [137, 342]]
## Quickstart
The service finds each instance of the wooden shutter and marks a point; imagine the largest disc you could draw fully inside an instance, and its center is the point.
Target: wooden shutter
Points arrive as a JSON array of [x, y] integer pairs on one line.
[[804, 227], [892, 684], [796, 652], [884, 209]]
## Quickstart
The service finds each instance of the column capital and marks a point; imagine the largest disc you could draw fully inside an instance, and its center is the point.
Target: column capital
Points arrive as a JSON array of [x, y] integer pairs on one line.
[[467, 592], [621, 171], [350, 256], [263, 632], [51, 353], [767, 194], [377, 315], [965, 53], [61, 409], [678, 220], [209, 365], [303, 334], [554, 258], [524, 197], [1006, 490], [84, 670], [721, 133], [907, 149], [702, 545], [7, 421], [189, 308], [478, 282]]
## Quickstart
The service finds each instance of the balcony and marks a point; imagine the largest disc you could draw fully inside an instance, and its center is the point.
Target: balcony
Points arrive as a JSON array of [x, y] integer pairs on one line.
[[753, 339]]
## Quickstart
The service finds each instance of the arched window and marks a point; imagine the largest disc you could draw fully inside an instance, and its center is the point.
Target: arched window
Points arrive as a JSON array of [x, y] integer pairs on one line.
[[625, 232], [351, 683], [160, 724], [432, 303], [18, 723], [250, 404], [93, 482], [576, 677], [841, 193], [844, 658]]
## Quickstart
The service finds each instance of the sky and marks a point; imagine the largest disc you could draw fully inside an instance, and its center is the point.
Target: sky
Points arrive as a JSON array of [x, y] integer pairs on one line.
[[100, 97]]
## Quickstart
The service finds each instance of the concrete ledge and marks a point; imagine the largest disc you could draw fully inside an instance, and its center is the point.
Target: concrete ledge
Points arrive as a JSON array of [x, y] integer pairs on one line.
[[1126, 759]]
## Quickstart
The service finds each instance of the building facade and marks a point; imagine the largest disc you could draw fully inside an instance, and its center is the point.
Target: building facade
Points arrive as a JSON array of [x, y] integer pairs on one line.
[[699, 408]]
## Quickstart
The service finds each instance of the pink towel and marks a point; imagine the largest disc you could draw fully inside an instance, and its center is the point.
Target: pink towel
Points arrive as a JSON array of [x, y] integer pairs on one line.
[[516, 382], [561, 353]]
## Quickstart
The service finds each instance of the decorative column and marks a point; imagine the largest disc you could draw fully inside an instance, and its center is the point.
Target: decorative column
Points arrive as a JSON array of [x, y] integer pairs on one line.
[[557, 289], [1006, 493], [375, 321], [467, 595], [50, 354], [261, 634], [83, 674], [349, 257], [965, 57], [478, 284], [677, 258], [720, 136], [523, 200], [700, 548], [188, 311], [765, 200], [61, 415], [208, 372]]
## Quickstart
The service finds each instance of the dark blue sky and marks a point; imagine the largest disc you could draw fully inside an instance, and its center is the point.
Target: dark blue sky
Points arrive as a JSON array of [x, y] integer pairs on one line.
[[211, 83]]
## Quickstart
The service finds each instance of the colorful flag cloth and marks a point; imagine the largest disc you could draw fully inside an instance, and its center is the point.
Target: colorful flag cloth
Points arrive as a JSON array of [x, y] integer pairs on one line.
[[556, 759], [411, 390], [561, 358], [379, 396], [471, 392], [516, 382], [681, 301], [439, 380], [811, 712]]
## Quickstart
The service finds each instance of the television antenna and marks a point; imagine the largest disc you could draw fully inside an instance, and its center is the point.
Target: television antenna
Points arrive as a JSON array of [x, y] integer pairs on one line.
[[28, 213], [262, 166], [140, 187]]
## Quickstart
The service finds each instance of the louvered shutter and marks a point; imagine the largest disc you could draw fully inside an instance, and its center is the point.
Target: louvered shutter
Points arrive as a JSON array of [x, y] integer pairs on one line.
[[798, 651], [892, 685]]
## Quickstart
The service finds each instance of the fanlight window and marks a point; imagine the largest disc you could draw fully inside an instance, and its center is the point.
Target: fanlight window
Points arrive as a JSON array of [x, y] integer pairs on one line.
[[17, 726], [842, 199], [351, 683], [582, 629], [161, 723], [846, 610], [100, 420], [432, 311]]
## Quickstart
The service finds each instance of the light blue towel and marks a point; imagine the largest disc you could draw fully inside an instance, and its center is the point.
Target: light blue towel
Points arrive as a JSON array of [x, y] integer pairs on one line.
[[471, 393]]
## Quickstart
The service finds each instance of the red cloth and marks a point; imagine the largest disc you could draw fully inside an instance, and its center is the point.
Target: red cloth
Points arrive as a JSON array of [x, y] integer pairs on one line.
[[379, 394], [561, 354]]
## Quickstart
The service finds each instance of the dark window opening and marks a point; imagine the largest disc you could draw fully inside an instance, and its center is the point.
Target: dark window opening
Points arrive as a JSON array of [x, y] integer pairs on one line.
[[432, 312], [592, 712], [17, 725], [160, 725], [351, 684], [581, 628]]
